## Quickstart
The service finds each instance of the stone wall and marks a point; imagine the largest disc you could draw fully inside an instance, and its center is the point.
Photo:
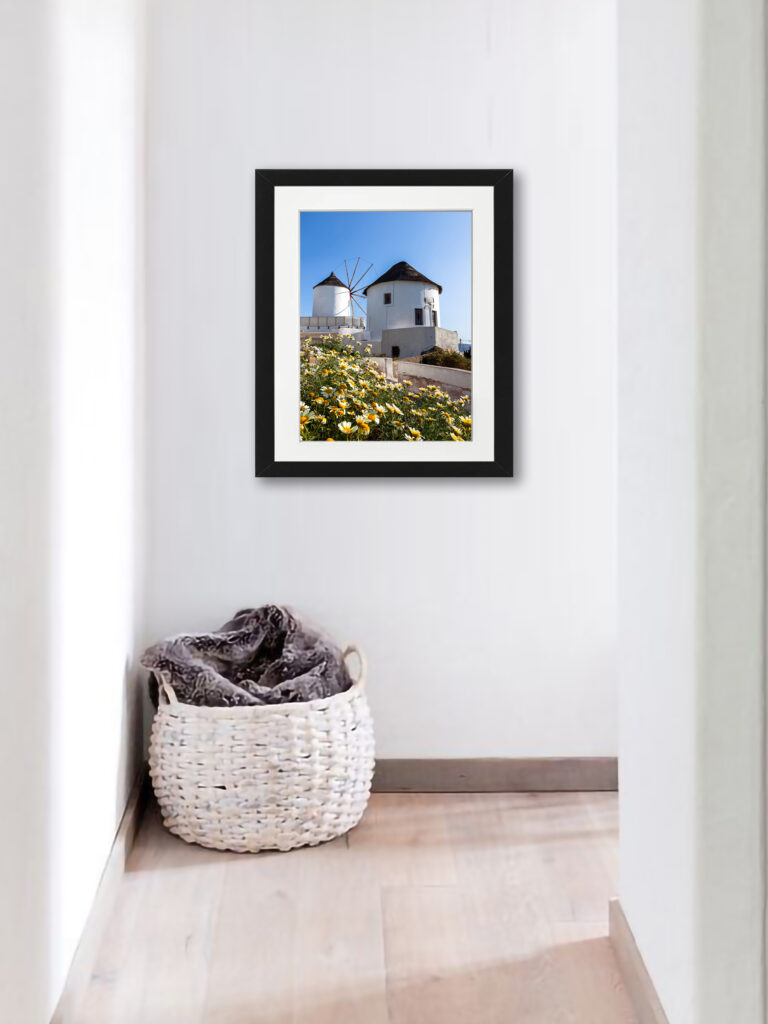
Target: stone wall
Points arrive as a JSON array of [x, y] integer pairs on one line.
[[439, 374], [412, 341]]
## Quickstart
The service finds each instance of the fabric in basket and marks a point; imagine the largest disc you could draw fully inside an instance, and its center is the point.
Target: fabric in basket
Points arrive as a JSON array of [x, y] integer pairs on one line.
[[261, 656]]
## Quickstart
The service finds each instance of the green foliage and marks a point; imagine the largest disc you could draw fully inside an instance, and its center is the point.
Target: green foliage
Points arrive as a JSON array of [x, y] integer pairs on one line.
[[447, 357], [344, 397]]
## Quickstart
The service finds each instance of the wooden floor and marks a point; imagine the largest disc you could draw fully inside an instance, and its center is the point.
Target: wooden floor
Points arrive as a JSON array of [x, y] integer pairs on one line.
[[437, 909]]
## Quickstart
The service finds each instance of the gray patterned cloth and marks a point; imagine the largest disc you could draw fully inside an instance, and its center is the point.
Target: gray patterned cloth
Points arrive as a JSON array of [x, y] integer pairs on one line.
[[261, 656]]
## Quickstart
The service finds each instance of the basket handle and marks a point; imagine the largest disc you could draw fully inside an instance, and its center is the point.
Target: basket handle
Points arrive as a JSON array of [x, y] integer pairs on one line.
[[164, 689], [352, 649]]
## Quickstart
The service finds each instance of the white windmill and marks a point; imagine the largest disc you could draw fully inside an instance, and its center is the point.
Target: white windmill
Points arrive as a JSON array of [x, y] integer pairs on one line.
[[337, 300]]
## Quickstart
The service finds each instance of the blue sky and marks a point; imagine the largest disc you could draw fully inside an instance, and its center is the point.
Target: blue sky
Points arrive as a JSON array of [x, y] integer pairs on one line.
[[438, 244]]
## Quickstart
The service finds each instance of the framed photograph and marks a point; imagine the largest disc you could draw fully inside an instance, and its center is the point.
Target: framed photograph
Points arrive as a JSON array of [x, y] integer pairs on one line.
[[384, 311]]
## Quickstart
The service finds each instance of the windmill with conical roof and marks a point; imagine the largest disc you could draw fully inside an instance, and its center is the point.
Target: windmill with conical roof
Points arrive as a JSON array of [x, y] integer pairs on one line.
[[337, 306], [403, 313]]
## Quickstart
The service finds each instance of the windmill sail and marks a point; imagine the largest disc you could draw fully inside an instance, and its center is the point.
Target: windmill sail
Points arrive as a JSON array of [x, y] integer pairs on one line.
[[355, 276]]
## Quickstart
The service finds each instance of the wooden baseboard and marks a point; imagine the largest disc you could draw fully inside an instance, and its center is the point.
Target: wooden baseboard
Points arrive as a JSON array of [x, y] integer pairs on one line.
[[496, 775], [637, 980], [83, 962]]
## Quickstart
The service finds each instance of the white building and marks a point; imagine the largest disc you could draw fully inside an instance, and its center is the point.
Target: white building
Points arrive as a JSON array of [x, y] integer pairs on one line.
[[331, 298], [331, 310], [403, 313], [403, 309]]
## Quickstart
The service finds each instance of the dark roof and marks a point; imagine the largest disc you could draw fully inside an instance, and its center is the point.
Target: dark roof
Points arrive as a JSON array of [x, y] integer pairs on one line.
[[403, 271], [331, 280]]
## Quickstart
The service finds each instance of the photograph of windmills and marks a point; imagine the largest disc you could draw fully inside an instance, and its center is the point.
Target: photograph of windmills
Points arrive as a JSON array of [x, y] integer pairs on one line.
[[385, 334]]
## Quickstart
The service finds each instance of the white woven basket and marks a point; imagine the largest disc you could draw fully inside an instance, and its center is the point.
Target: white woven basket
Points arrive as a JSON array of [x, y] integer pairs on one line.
[[271, 777]]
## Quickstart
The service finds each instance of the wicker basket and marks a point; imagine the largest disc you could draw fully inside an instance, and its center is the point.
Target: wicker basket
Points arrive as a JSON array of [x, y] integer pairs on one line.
[[271, 777]]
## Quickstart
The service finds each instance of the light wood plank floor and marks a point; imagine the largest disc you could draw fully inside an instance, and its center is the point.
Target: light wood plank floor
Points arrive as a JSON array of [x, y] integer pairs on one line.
[[437, 909]]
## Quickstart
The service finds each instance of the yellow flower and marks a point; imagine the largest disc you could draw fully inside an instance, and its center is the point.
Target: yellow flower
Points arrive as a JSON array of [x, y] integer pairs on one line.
[[455, 437], [466, 420], [330, 439], [346, 427], [319, 401], [415, 432], [303, 420], [364, 428]]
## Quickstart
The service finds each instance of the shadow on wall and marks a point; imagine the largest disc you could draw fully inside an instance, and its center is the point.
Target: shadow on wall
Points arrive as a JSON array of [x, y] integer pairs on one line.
[[26, 315], [26, 863]]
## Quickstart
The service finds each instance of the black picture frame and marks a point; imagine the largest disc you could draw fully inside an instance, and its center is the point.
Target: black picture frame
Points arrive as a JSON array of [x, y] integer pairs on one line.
[[502, 183]]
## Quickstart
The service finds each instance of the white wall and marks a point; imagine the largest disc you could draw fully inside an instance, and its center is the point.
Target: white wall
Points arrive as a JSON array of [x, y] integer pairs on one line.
[[26, 314], [656, 486], [97, 186], [691, 499], [330, 300], [70, 272], [407, 296], [446, 374], [508, 649]]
